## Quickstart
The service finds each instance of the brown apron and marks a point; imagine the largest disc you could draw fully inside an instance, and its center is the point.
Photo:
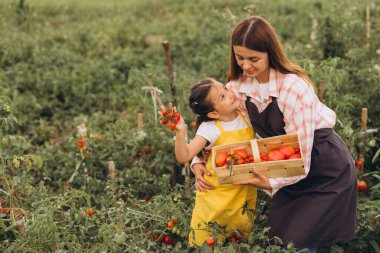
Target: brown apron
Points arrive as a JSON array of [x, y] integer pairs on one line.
[[320, 209]]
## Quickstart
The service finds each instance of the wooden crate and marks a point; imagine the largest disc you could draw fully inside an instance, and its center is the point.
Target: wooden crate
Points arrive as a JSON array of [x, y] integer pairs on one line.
[[272, 169]]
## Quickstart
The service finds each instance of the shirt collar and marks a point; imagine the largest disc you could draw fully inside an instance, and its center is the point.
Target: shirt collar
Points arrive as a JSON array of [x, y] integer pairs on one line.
[[247, 85]]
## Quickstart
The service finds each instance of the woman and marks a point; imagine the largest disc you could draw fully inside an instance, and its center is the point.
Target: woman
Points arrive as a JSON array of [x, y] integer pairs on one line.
[[311, 210]]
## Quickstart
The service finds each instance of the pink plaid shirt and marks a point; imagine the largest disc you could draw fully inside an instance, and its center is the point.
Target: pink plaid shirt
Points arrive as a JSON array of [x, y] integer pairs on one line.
[[302, 110]]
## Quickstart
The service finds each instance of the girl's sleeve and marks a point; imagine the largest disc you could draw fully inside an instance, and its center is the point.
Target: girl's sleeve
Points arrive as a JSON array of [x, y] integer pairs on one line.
[[299, 109]]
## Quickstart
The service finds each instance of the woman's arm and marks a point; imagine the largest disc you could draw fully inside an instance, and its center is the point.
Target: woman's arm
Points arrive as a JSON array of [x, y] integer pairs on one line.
[[299, 105], [185, 152]]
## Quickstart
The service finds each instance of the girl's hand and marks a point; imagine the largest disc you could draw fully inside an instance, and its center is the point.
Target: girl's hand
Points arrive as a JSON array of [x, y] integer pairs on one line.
[[201, 183], [181, 125], [259, 180]]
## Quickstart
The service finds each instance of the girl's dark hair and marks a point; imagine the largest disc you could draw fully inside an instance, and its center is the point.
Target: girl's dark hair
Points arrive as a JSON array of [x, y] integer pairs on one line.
[[198, 101], [257, 34]]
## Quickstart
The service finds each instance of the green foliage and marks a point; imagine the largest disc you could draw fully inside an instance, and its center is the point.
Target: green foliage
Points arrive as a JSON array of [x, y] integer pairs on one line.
[[64, 63]]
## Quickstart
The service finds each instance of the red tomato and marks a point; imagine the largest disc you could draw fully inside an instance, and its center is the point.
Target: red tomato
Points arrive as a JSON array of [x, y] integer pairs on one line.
[[362, 186], [90, 211], [295, 156], [168, 240], [242, 153], [297, 150], [221, 158], [210, 241], [287, 150], [264, 157], [250, 158], [359, 163], [161, 239], [275, 155], [173, 126], [236, 156], [240, 161], [170, 225]]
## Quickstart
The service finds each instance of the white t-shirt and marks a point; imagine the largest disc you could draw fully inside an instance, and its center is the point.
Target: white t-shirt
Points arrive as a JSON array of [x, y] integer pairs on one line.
[[211, 132]]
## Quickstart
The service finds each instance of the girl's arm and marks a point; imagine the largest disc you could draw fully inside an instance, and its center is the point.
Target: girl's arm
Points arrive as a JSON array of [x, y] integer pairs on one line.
[[185, 152]]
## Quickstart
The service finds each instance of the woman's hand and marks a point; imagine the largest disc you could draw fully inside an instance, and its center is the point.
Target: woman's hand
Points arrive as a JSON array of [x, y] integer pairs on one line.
[[259, 180], [201, 183]]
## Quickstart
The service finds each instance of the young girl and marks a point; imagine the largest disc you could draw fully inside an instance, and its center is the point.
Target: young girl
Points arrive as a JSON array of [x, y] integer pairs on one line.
[[218, 123]]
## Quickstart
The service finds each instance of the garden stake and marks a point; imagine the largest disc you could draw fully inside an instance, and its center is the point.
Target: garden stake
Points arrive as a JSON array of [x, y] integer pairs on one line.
[[314, 30], [140, 120], [111, 170], [169, 62], [363, 130], [231, 15], [368, 26]]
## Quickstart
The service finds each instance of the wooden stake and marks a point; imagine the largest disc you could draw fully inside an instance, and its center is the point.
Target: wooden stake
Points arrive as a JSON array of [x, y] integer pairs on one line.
[[364, 118], [363, 130], [154, 8], [253, 11], [140, 121], [231, 15], [111, 170], [368, 30], [169, 62]]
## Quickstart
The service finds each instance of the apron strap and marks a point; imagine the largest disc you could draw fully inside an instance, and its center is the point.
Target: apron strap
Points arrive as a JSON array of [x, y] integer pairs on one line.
[[244, 119], [217, 123]]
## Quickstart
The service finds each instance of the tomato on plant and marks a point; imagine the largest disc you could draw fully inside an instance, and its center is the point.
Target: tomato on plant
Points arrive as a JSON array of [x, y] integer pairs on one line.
[[168, 240], [90, 211], [170, 224], [359, 163], [210, 241], [362, 186], [173, 126]]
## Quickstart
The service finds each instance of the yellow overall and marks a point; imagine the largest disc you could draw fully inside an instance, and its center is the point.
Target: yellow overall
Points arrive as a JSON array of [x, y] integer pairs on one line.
[[225, 203]]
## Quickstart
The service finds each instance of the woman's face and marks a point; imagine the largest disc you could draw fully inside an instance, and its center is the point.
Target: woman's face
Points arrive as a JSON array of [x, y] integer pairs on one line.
[[254, 63]]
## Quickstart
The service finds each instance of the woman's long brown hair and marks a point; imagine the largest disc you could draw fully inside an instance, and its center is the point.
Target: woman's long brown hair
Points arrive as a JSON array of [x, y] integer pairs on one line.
[[257, 34]]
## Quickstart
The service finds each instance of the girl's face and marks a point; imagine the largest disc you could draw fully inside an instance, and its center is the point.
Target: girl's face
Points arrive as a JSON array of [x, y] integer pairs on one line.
[[254, 63], [224, 100]]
